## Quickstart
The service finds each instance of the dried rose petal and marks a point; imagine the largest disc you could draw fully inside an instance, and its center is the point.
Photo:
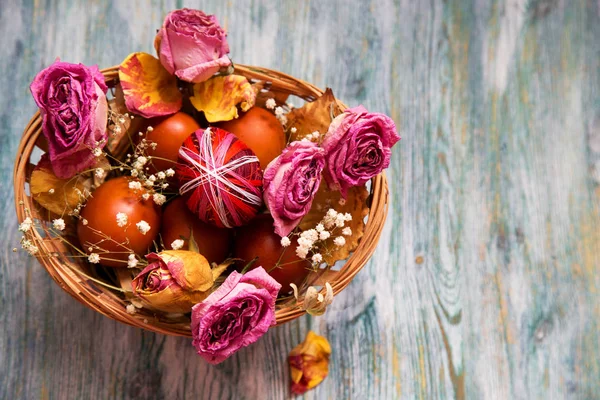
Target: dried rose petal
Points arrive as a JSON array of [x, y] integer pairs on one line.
[[309, 363], [149, 89], [219, 96]]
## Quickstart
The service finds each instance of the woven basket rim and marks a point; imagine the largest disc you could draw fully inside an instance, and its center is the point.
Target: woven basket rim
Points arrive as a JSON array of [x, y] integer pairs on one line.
[[110, 304]]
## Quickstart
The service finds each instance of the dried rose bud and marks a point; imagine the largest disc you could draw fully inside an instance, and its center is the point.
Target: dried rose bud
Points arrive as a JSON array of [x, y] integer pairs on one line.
[[174, 280], [309, 363]]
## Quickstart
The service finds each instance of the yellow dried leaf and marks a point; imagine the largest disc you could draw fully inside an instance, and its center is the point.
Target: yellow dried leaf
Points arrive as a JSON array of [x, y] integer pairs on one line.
[[56, 195], [148, 87], [309, 363], [355, 204], [313, 116], [219, 96]]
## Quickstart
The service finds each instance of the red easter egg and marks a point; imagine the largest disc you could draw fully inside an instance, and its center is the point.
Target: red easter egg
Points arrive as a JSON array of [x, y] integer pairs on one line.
[[168, 134], [179, 223], [100, 213], [258, 239], [261, 131], [220, 177]]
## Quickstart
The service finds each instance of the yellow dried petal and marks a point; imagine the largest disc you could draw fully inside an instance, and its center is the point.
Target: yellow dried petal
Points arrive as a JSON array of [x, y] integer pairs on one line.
[[56, 195], [219, 96], [148, 87], [309, 363]]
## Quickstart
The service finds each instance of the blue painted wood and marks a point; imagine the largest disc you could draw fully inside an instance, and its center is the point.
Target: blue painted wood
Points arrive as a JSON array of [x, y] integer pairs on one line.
[[486, 281]]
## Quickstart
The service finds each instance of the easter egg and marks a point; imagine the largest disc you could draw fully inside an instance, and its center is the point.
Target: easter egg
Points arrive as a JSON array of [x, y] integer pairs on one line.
[[258, 240], [220, 178], [179, 223], [116, 221], [261, 131], [168, 134]]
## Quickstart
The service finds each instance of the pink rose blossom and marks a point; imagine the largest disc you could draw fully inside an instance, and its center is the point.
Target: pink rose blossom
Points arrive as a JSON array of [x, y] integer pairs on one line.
[[72, 102], [192, 45], [290, 183], [358, 147], [236, 315]]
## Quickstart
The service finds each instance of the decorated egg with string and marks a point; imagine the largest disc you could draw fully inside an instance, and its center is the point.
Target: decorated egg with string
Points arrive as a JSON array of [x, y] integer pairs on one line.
[[220, 178]]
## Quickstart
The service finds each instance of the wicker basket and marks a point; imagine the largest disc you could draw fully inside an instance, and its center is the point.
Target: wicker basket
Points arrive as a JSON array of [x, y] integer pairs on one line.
[[76, 281]]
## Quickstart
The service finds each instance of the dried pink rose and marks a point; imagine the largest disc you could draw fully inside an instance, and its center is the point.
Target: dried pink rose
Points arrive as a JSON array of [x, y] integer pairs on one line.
[[192, 45], [290, 183], [72, 102], [236, 315], [358, 147]]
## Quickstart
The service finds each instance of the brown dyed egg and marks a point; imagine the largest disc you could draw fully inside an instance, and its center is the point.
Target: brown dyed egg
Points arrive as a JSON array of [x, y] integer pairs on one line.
[[261, 131], [168, 134], [101, 231], [178, 222], [257, 239]]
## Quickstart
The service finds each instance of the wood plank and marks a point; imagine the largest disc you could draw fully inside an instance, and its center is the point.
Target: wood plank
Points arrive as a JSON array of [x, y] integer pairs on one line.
[[486, 282]]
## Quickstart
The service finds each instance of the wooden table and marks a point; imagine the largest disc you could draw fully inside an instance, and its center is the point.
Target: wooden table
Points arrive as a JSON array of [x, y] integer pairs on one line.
[[486, 281]]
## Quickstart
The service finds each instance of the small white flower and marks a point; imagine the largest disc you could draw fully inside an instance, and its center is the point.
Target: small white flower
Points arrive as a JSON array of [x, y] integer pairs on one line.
[[310, 234], [294, 129], [324, 235], [271, 104], [146, 196], [59, 224], [339, 241], [279, 111], [135, 185], [130, 309], [132, 262], [340, 221], [159, 199], [51, 191], [302, 251], [347, 217], [99, 173], [117, 129], [164, 185], [32, 249], [317, 258], [148, 183], [177, 244], [144, 227], [121, 219], [285, 241], [121, 120], [347, 231], [152, 178], [331, 213], [94, 258], [25, 225], [134, 173], [342, 202], [161, 175], [97, 152], [305, 242], [141, 160], [170, 172], [320, 228], [84, 221], [149, 129]]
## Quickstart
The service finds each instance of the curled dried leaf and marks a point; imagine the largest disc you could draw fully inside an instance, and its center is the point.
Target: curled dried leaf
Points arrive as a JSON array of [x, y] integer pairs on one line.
[[219, 96], [148, 87], [313, 117], [355, 204], [56, 195]]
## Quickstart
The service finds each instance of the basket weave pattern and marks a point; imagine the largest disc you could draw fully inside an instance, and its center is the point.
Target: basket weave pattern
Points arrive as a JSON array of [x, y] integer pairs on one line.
[[66, 272]]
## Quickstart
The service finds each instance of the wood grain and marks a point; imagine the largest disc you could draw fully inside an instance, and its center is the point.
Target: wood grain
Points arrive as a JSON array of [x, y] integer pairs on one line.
[[486, 283]]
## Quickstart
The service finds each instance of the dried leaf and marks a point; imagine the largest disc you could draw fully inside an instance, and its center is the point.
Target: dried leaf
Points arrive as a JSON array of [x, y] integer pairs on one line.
[[120, 132], [148, 87], [355, 204], [313, 116], [218, 97], [309, 363], [56, 195]]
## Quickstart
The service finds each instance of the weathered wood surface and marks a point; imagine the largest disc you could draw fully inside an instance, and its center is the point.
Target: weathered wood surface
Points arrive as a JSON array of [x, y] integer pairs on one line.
[[486, 281]]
